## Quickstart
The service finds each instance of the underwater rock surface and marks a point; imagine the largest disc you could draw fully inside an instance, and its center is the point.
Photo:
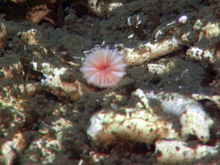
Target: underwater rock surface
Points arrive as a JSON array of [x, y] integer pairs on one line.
[[170, 95]]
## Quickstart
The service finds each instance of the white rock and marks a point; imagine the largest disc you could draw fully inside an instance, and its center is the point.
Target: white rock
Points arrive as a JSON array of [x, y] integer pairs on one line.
[[178, 152], [193, 118], [112, 126]]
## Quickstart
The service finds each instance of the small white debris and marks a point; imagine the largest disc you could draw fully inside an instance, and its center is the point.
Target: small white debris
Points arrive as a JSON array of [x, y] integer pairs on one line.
[[183, 19]]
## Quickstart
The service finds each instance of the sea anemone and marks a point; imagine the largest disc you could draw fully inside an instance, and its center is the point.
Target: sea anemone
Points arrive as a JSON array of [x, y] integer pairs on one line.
[[103, 67]]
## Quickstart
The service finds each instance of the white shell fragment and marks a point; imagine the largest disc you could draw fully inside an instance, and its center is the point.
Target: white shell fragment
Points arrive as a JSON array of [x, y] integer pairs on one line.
[[173, 152], [193, 119]]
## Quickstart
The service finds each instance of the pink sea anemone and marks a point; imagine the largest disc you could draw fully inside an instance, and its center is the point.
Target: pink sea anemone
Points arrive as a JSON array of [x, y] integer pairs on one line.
[[103, 67]]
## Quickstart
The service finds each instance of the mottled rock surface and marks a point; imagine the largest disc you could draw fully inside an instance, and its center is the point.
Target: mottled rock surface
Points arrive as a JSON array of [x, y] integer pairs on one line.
[[47, 109]]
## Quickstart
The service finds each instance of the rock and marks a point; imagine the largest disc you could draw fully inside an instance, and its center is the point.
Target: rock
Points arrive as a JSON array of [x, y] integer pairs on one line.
[[179, 152], [127, 124], [191, 114], [3, 34]]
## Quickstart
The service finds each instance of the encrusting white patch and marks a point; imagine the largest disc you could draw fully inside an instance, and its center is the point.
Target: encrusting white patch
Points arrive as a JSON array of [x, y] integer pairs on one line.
[[96, 125]]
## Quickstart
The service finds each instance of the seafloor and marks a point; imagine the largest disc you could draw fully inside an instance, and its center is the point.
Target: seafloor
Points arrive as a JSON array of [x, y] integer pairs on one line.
[[169, 46]]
